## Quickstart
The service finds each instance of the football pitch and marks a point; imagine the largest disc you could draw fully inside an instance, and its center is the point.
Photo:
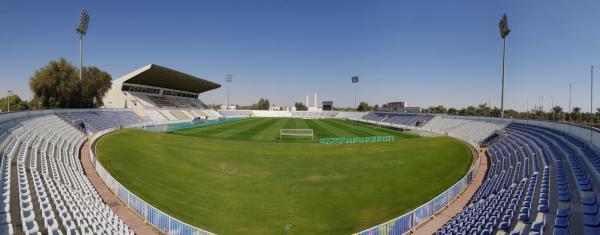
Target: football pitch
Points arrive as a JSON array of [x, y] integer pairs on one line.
[[267, 129], [238, 178]]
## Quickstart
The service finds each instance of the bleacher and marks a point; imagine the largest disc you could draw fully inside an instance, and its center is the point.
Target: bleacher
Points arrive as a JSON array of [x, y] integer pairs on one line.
[[350, 115], [161, 101], [157, 101], [236, 113], [309, 114], [475, 130], [44, 188], [539, 181], [407, 119], [90, 122]]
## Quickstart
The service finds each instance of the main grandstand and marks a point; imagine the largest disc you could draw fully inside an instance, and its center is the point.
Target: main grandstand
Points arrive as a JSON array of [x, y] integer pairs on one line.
[[161, 94], [540, 178]]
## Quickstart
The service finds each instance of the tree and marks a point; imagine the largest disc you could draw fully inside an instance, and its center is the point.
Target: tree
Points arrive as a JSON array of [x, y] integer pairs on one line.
[[511, 113], [95, 85], [557, 112], [471, 111], [214, 106], [262, 104], [576, 113], [452, 111], [483, 109], [300, 106], [376, 107], [16, 103], [363, 107], [59, 81]]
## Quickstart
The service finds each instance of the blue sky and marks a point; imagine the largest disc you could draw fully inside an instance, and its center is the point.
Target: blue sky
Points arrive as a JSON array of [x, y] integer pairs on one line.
[[423, 52]]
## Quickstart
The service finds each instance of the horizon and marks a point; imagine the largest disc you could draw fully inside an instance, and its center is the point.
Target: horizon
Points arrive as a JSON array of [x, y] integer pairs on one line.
[[427, 53]]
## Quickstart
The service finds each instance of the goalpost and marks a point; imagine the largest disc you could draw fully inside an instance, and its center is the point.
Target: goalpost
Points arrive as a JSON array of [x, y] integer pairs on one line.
[[296, 132], [155, 127]]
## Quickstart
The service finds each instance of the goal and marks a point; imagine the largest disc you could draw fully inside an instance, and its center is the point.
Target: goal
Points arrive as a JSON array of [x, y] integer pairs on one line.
[[296, 132], [156, 127]]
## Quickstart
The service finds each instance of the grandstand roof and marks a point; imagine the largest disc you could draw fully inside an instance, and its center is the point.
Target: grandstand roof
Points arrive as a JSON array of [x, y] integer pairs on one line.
[[159, 76]]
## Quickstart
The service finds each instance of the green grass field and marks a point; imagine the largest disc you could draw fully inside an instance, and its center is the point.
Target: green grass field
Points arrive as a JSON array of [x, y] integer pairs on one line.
[[237, 178], [267, 129]]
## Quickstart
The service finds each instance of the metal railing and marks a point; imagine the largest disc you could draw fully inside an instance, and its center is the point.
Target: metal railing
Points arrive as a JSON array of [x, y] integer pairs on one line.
[[170, 225], [409, 221]]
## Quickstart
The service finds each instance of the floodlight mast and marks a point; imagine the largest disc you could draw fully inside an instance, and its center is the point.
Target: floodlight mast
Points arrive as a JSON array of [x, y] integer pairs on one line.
[[8, 106], [504, 31], [228, 79], [355, 82], [84, 20]]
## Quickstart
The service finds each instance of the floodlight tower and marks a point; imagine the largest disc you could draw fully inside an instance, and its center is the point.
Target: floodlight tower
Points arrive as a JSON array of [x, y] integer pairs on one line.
[[355, 82], [228, 79], [504, 31], [84, 21], [570, 103], [591, 99], [10, 93]]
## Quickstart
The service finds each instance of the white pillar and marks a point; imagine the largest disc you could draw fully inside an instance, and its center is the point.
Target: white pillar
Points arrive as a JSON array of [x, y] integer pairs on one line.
[[307, 104], [316, 106]]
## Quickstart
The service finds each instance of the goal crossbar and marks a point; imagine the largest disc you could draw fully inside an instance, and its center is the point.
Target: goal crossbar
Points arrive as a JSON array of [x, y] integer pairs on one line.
[[296, 132]]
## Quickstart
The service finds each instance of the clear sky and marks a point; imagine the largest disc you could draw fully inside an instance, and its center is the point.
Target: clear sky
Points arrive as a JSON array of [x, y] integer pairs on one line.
[[423, 52]]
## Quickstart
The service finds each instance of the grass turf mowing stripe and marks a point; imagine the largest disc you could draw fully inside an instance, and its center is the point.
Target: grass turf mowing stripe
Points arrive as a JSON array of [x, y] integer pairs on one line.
[[337, 132], [369, 131], [228, 133], [214, 129], [250, 132], [258, 187], [320, 131], [268, 133], [301, 123], [267, 129], [388, 131], [353, 132]]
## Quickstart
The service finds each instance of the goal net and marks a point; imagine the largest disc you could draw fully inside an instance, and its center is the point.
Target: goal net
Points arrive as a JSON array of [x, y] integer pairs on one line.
[[156, 127], [303, 133]]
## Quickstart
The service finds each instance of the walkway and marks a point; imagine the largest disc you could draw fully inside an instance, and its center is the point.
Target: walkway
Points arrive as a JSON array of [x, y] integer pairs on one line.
[[457, 206], [135, 222]]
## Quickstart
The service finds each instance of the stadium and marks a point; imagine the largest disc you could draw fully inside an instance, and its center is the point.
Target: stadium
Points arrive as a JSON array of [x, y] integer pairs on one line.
[[149, 155], [268, 172]]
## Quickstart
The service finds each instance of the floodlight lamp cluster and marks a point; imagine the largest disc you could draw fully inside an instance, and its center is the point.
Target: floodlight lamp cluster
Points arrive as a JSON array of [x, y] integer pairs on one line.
[[84, 21], [504, 28]]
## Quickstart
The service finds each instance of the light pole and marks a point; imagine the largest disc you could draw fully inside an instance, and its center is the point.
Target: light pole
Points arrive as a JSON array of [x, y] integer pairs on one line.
[[355, 82], [504, 31], [228, 79], [8, 99], [84, 21], [570, 102], [591, 93], [570, 117]]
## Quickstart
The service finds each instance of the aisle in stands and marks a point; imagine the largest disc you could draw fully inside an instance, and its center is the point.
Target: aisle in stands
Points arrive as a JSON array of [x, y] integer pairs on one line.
[[538, 182], [45, 186]]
